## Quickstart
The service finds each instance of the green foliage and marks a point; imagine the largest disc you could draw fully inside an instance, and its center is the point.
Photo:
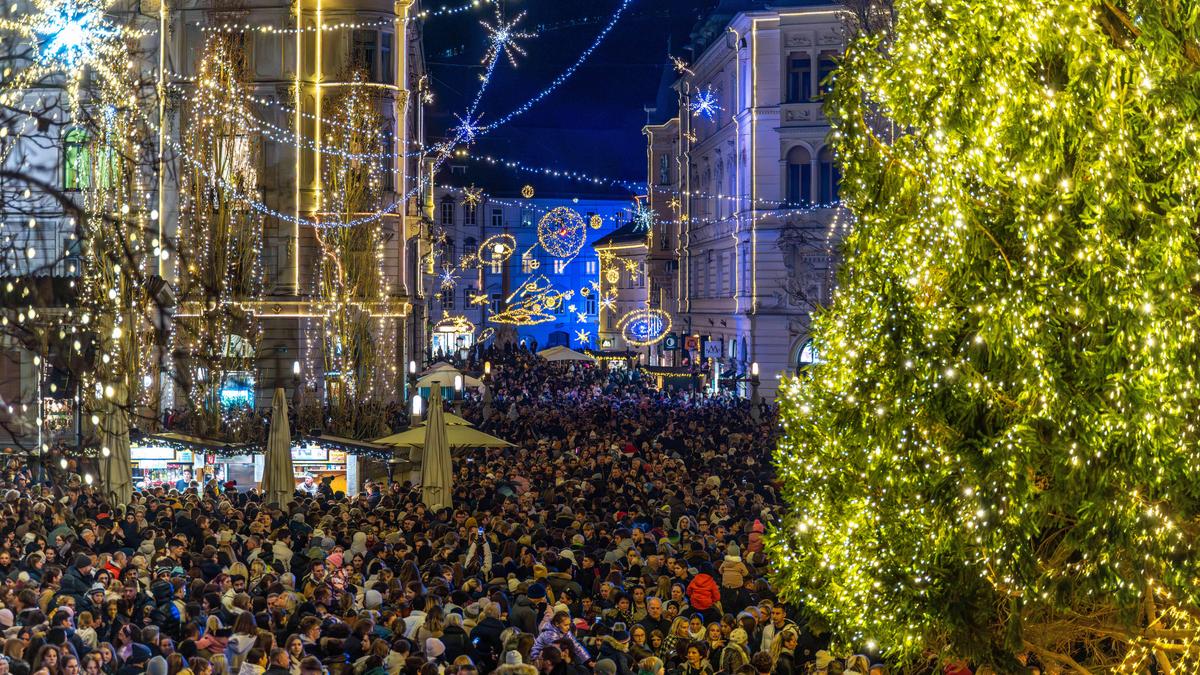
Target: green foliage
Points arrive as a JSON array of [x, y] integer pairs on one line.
[[999, 453]]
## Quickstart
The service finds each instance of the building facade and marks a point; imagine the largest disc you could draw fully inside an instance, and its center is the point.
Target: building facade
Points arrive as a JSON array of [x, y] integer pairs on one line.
[[468, 279], [310, 77], [744, 180]]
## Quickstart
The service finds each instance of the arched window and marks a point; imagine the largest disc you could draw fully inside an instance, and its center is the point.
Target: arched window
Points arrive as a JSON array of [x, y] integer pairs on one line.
[[830, 176], [77, 160], [469, 246], [799, 177], [807, 356]]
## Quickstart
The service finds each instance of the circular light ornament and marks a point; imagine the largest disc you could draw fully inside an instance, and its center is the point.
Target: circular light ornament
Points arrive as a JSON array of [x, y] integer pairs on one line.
[[596, 222], [562, 232], [497, 248], [644, 327]]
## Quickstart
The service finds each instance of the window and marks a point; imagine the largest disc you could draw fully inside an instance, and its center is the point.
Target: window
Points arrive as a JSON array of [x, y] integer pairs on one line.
[[526, 264], [732, 272], [469, 213], [590, 267], [448, 298], [799, 177], [363, 55], [497, 302], [497, 218], [497, 266], [799, 74], [386, 162], [590, 303], [560, 266], [710, 286], [469, 246], [448, 211], [527, 218], [825, 68], [451, 253], [387, 76], [664, 170], [77, 160], [830, 177]]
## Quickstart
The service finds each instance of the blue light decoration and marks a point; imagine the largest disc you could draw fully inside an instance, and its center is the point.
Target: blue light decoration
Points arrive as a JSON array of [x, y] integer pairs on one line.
[[645, 327], [71, 32], [705, 104], [467, 129], [502, 38]]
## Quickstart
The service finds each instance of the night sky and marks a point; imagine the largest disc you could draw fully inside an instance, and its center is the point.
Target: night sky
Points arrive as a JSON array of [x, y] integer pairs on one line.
[[593, 123]]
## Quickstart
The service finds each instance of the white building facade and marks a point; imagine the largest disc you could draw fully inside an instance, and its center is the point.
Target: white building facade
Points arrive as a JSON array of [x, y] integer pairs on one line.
[[746, 179]]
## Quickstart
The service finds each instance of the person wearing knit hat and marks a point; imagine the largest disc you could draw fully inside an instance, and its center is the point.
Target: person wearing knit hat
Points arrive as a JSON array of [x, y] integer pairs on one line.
[[6, 618], [512, 657], [434, 648], [606, 667], [536, 592]]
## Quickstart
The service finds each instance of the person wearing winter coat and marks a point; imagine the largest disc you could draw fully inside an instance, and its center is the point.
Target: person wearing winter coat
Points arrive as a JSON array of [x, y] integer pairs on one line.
[[733, 576], [615, 647], [485, 637], [455, 639], [703, 595], [529, 608], [245, 634], [558, 627]]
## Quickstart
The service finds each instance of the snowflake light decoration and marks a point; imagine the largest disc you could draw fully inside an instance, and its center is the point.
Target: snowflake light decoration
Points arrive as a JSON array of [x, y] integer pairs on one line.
[[448, 281], [581, 317], [472, 196], [705, 104], [644, 217], [502, 38], [70, 33], [467, 129], [583, 337], [681, 66], [608, 302]]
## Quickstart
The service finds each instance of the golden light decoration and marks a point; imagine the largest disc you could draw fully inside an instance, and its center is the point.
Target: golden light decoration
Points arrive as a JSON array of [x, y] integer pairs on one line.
[[596, 221], [527, 192], [562, 232], [583, 337], [472, 196], [612, 275], [479, 299], [486, 334], [644, 327], [585, 291], [497, 248], [454, 324]]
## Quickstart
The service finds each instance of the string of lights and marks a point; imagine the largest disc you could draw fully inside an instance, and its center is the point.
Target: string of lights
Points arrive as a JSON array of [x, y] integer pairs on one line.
[[566, 75]]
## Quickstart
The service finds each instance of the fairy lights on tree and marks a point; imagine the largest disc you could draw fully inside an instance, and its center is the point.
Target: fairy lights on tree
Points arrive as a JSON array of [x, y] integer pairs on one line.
[[219, 266], [998, 455]]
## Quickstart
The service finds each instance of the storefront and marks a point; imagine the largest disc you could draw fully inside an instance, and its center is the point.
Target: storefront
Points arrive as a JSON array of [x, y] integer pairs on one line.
[[155, 465], [323, 463]]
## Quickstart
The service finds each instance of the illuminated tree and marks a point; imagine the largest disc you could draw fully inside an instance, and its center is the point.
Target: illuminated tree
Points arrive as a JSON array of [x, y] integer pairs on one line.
[[352, 274], [220, 240], [999, 453]]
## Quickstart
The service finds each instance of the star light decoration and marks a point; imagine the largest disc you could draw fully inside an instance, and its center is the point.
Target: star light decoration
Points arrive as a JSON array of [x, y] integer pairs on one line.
[[447, 279], [706, 104], [502, 38], [583, 337], [608, 302], [467, 129], [70, 33], [472, 196]]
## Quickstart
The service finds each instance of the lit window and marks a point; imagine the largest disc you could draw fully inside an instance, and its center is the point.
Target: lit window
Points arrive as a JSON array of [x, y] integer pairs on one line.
[[77, 160]]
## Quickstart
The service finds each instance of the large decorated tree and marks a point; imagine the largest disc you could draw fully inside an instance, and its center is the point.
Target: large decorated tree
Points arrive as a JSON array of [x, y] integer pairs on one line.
[[998, 456]]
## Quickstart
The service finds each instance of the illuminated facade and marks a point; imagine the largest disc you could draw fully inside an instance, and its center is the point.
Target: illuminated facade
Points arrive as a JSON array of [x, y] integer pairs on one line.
[[465, 279], [742, 180], [298, 65]]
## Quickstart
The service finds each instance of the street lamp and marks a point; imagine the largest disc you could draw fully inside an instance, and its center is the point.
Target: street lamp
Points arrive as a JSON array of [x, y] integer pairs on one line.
[[458, 390], [295, 369], [416, 409], [487, 368], [754, 399]]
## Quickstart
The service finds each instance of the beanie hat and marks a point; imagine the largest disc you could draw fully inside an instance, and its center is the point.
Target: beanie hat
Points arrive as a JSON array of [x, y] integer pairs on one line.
[[536, 592], [434, 648], [82, 561], [606, 667], [372, 599], [739, 636], [512, 658], [6, 618], [156, 666]]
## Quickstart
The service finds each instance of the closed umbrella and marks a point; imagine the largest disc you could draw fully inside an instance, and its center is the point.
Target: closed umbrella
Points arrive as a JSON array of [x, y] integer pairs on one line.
[[117, 468], [437, 478], [279, 482]]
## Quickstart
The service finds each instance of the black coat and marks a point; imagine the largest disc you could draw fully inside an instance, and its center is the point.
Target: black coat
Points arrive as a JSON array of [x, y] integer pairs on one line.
[[485, 636]]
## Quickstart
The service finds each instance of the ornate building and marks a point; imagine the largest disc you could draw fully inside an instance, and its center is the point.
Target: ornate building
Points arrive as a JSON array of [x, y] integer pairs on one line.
[[743, 184]]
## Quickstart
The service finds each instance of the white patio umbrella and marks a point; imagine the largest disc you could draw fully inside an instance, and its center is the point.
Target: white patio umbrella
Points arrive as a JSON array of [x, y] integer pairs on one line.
[[437, 474], [279, 481], [117, 468]]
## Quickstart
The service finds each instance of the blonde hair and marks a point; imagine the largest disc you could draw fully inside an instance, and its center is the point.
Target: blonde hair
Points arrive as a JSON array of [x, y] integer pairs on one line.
[[219, 665], [84, 620]]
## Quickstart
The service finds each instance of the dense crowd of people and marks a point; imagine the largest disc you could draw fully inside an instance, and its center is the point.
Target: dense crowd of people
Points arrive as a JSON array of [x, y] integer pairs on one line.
[[623, 534]]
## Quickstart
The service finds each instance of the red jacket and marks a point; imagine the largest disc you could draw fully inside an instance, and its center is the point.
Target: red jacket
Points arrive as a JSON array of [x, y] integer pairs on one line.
[[703, 592]]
